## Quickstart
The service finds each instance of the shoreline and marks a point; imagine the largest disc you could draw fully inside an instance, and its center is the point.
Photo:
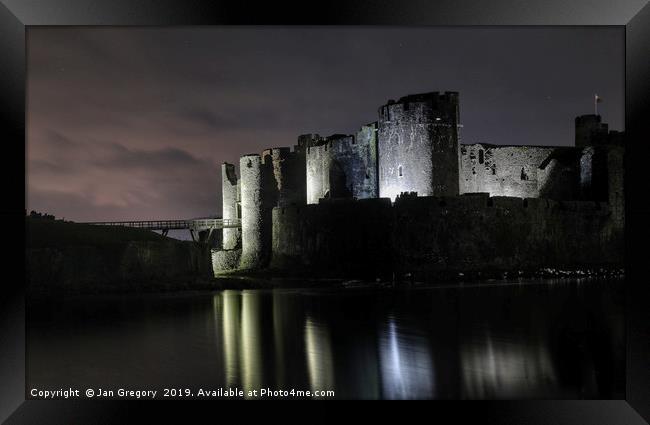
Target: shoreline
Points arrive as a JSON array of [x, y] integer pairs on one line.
[[270, 279]]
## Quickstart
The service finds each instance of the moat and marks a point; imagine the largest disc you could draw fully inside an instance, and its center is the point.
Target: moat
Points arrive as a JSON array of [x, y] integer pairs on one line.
[[547, 338]]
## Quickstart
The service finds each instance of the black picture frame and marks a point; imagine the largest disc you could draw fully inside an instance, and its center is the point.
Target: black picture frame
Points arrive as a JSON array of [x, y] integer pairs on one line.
[[634, 15]]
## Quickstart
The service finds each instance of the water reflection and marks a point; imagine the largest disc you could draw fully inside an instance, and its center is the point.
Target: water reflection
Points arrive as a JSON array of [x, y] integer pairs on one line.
[[535, 341], [230, 307], [406, 368], [498, 368], [319, 356], [251, 342]]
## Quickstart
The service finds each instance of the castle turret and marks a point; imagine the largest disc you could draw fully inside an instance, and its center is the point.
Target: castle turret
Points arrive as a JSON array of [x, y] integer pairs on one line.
[[230, 204], [418, 143], [590, 131], [289, 175], [599, 146], [366, 141], [250, 169]]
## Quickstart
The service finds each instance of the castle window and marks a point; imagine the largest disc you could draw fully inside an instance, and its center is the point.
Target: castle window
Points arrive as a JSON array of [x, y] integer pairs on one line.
[[494, 170], [523, 174], [399, 171], [480, 156], [249, 164]]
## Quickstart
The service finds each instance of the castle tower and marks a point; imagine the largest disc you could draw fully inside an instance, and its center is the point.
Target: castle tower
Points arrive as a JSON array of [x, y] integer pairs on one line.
[[590, 130], [250, 169], [366, 144], [230, 204], [289, 179], [418, 145]]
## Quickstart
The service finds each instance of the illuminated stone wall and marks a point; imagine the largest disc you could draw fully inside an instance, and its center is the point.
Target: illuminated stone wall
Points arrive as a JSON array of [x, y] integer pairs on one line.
[[560, 173], [225, 260], [343, 166], [251, 169], [276, 177], [523, 171], [503, 170], [230, 204], [418, 143]]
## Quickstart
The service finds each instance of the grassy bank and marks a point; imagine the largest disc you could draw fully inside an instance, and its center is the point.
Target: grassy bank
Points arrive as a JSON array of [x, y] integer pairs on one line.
[[42, 233], [80, 258]]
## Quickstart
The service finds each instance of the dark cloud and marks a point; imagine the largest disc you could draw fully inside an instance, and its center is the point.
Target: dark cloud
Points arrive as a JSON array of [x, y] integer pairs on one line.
[[134, 122], [121, 157]]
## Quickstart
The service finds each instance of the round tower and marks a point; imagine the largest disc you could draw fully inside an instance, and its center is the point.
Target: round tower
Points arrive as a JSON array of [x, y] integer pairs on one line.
[[418, 145], [250, 170]]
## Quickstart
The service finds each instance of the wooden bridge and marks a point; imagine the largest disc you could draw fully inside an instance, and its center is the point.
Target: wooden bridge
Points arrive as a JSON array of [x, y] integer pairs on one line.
[[200, 228]]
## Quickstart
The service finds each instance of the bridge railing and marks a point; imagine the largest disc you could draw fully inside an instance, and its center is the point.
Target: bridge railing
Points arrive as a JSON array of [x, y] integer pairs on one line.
[[198, 224], [214, 223]]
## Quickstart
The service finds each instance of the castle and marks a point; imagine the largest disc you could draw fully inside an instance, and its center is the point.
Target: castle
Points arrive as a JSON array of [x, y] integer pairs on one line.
[[403, 194]]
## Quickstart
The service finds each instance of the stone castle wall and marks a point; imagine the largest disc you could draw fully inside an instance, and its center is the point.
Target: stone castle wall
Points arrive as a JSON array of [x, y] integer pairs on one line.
[[522, 171], [343, 166], [552, 172], [477, 232], [334, 237], [423, 235]]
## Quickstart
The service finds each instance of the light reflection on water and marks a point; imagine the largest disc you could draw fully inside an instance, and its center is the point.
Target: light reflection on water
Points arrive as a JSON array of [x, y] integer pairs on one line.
[[405, 364], [496, 368], [537, 341], [319, 355]]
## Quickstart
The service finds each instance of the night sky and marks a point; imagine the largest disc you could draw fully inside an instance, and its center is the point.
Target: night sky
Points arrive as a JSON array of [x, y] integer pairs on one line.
[[127, 123]]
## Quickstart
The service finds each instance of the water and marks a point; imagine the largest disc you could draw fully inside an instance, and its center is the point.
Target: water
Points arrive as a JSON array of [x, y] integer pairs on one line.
[[508, 341]]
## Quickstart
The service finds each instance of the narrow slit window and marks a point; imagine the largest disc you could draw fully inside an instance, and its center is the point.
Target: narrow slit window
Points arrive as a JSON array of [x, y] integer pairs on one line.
[[399, 171]]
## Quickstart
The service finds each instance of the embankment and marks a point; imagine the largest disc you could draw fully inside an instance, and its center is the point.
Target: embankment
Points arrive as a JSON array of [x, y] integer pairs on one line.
[[69, 257]]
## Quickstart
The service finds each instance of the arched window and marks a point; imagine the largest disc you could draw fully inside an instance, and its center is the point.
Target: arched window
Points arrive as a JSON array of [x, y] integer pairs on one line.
[[399, 171]]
